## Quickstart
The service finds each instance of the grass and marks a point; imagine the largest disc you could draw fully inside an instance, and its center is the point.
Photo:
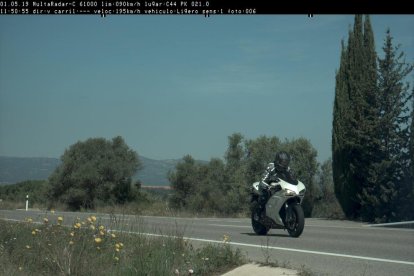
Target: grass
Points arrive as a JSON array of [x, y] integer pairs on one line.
[[89, 248], [269, 262], [159, 208], [329, 210]]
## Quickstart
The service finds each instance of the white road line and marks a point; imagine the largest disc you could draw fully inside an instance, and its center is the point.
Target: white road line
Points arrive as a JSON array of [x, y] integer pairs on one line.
[[228, 225], [321, 226], [225, 220], [17, 220], [362, 227], [280, 248], [306, 225], [115, 218], [333, 226], [390, 224]]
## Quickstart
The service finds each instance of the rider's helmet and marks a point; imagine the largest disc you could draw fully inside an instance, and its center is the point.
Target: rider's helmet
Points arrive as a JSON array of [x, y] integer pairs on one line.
[[282, 160]]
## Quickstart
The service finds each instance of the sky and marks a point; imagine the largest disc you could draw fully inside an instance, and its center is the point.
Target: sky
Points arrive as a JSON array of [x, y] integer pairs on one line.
[[173, 85]]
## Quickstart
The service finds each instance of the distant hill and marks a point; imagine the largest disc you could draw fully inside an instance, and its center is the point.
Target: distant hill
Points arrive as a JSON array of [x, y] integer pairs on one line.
[[154, 172], [17, 169]]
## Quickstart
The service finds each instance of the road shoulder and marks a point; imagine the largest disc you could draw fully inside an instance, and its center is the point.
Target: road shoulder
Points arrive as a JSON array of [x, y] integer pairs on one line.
[[257, 269]]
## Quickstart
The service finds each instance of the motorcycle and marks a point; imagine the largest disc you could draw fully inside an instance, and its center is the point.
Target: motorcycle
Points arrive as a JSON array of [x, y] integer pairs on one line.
[[283, 208]]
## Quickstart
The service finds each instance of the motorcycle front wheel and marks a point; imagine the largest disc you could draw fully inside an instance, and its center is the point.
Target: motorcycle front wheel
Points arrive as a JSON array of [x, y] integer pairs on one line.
[[295, 220], [258, 227]]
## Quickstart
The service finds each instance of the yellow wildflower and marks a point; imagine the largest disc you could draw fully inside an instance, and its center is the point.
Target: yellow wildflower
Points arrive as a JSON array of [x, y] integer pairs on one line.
[[33, 232], [93, 218], [113, 235], [72, 234], [121, 244], [77, 225], [117, 246], [89, 220], [226, 238], [52, 211], [102, 233], [29, 220], [92, 227], [117, 249], [45, 220], [71, 243], [116, 258], [98, 240], [101, 227], [28, 246], [60, 219]]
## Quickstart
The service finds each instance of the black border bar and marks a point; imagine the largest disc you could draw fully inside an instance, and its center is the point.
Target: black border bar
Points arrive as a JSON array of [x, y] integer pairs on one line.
[[219, 7]]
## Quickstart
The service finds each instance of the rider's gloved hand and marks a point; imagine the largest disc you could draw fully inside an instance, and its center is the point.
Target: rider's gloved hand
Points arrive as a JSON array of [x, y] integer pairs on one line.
[[274, 178], [263, 185]]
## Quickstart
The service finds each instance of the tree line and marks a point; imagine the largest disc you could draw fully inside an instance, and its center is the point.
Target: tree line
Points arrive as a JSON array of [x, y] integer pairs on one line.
[[223, 187], [99, 172]]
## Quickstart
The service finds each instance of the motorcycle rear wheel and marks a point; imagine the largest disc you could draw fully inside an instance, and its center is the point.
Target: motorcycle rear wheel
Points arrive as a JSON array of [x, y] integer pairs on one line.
[[295, 224]]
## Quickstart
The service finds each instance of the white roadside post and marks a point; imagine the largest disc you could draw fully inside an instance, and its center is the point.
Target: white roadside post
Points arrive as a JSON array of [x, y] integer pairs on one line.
[[27, 202]]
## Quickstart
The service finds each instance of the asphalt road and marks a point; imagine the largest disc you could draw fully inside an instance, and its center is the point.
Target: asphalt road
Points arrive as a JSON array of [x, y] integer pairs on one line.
[[326, 247]]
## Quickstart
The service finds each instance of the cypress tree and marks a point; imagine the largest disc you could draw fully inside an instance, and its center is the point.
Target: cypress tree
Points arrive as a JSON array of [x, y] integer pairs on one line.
[[355, 109], [355, 133], [395, 120], [410, 182], [411, 156], [388, 183], [395, 98], [370, 154], [341, 118]]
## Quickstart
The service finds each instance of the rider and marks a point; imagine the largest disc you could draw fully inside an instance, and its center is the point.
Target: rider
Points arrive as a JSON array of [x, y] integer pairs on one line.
[[279, 168]]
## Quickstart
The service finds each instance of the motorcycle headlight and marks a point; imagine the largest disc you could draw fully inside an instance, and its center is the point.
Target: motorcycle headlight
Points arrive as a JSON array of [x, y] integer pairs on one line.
[[289, 192]]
